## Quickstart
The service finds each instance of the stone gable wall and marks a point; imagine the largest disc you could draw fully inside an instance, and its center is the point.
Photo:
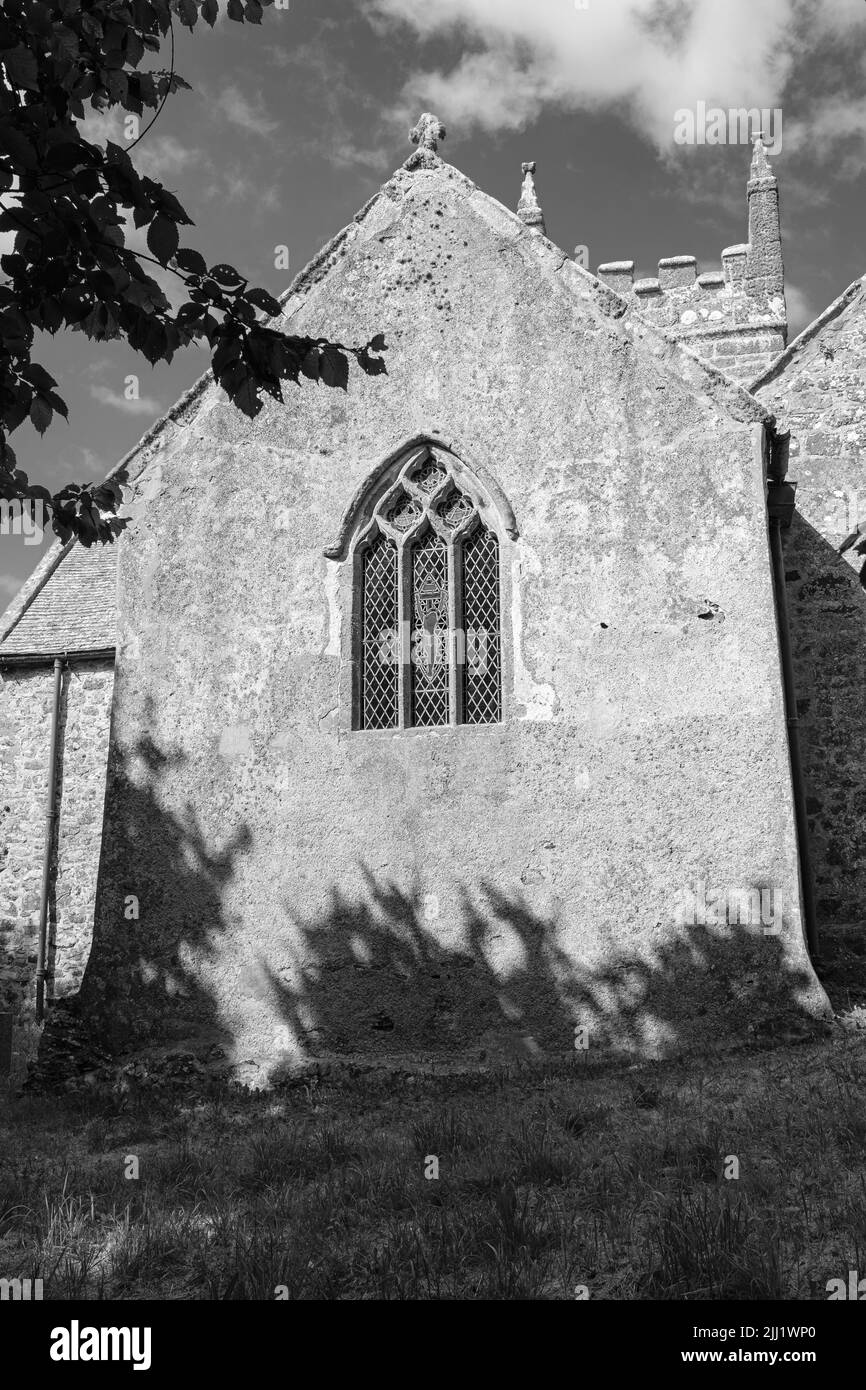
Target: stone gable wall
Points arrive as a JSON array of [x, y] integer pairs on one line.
[[309, 890], [819, 393]]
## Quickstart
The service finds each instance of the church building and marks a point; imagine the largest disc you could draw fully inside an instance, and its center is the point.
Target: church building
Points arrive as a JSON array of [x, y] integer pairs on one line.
[[502, 704]]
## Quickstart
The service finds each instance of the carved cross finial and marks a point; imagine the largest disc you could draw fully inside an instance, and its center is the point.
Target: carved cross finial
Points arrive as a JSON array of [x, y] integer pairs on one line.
[[529, 208], [426, 135]]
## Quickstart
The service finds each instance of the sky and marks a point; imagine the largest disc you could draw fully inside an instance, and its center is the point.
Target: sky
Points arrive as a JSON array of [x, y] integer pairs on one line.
[[292, 125]]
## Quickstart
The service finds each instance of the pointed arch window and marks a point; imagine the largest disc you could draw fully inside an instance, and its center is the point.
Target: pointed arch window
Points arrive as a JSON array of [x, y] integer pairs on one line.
[[428, 595]]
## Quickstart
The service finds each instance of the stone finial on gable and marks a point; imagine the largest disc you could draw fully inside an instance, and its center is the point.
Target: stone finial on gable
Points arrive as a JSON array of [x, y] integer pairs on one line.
[[529, 208], [761, 167], [426, 135]]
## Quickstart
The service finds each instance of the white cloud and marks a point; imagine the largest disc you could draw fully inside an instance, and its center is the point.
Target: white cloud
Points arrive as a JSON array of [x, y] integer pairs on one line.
[[801, 310], [231, 185], [142, 405], [644, 59], [241, 111], [834, 121]]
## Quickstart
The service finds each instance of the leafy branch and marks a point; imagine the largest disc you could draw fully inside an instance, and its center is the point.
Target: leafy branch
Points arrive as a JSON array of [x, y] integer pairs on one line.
[[70, 266]]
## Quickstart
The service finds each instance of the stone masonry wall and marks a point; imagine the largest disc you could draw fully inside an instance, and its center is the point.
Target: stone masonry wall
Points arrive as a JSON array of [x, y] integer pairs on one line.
[[818, 390], [715, 314], [25, 733], [735, 318]]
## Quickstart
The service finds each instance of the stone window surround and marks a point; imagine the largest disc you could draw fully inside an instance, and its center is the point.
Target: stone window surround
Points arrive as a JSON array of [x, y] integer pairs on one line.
[[355, 530]]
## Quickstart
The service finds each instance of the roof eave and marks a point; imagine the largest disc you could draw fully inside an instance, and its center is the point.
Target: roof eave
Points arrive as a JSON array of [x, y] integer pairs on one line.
[[9, 659]]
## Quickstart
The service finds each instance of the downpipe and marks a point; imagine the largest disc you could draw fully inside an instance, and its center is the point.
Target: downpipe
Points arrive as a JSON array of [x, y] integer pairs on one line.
[[50, 823]]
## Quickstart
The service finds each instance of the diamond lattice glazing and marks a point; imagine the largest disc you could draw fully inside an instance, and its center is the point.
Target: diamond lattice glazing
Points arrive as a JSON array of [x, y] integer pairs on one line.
[[483, 669], [380, 670]]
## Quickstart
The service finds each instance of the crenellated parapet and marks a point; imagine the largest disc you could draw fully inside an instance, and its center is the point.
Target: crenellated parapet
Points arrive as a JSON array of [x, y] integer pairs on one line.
[[733, 317]]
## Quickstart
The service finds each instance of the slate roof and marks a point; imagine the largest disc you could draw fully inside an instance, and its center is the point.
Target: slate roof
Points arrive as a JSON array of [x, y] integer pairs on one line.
[[67, 605]]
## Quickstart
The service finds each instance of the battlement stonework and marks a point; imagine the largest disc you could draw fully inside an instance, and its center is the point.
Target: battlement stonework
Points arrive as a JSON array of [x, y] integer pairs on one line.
[[733, 317]]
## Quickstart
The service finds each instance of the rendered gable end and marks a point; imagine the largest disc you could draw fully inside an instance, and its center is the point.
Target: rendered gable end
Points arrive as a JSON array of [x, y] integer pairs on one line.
[[309, 889]]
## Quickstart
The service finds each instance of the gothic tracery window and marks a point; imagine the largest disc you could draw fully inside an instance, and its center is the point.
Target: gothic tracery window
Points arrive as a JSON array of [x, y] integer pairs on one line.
[[428, 588]]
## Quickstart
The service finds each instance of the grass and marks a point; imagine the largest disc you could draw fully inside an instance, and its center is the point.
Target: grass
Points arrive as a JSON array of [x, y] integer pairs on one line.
[[550, 1181]]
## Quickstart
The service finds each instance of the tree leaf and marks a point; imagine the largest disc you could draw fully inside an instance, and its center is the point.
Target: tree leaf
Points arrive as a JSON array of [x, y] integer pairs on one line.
[[16, 145], [246, 398], [22, 68], [40, 413], [134, 49], [190, 261], [52, 314], [38, 377], [162, 238], [226, 275], [262, 300]]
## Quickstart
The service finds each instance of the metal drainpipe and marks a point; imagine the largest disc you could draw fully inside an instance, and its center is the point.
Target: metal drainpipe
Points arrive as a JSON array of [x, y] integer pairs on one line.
[[779, 511], [50, 819]]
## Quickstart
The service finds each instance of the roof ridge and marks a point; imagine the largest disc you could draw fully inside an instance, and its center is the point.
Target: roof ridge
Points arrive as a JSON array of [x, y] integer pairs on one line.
[[833, 311]]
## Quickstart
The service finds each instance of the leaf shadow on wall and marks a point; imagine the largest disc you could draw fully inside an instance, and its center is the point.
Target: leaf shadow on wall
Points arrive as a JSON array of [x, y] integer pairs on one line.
[[159, 906], [368, 974]]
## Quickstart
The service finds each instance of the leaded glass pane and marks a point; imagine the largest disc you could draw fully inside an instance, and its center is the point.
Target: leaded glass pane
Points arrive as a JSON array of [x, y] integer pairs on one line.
[[380, 670], [481, 623], [430, 671]]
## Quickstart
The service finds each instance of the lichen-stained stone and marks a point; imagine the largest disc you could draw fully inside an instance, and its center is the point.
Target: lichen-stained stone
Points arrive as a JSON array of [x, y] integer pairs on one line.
[[734, 317], [817, 387], [65, 609], [309, 888], [25, 734]]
